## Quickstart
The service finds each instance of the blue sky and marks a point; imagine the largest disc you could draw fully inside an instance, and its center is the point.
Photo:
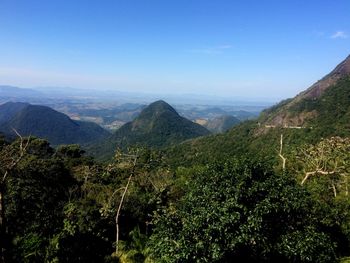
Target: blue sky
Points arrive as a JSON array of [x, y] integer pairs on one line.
[[259, 49]]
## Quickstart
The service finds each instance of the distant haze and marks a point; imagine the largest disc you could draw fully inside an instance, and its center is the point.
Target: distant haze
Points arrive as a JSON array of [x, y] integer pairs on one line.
[[262, 50]]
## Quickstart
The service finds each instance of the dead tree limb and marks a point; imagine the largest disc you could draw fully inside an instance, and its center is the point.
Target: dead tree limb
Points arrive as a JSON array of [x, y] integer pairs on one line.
[[121, 204], [280, 153], [308, 174]]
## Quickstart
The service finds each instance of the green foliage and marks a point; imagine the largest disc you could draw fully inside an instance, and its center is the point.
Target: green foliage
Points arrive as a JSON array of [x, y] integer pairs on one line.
[[30, 247], [323, 169], [329, 158], [84, 237], [134, 250], [242, 212], [345, 260], [307, 245], [36, 191], [332, 110], [148, 188]]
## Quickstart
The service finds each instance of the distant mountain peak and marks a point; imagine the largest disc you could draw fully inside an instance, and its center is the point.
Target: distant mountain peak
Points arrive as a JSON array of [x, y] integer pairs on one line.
[[160, 103], [158, 125], [151, 114], [159, 106]]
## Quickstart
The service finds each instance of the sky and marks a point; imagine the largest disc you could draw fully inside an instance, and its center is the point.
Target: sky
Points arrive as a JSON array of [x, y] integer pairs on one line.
[[263, 49]]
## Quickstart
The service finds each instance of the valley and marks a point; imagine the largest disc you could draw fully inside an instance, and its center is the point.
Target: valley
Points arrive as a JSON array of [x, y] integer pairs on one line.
[[112, 110]]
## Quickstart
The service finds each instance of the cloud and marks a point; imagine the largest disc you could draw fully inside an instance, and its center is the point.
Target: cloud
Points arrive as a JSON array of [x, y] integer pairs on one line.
[[211, 50], [339, 34]]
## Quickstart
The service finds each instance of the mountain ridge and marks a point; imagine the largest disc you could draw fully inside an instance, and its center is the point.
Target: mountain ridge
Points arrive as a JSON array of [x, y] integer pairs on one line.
[[280, 114]]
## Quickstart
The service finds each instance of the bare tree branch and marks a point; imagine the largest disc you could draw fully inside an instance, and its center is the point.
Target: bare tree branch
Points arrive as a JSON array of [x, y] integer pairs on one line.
[[280, 154], [308, 174], [121, 202]]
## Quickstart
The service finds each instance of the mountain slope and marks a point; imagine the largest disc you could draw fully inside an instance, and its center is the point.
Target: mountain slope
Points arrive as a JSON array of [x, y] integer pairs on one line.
[[158, 125], [9, 109], [221, 124], [44, 122], [301, 109], [321, 111]]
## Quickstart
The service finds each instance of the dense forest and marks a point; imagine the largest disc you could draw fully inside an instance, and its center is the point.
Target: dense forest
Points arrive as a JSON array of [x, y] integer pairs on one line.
[[59, 205]]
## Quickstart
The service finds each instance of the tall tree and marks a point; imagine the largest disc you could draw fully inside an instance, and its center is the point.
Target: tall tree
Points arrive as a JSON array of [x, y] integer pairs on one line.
[[242, 212]]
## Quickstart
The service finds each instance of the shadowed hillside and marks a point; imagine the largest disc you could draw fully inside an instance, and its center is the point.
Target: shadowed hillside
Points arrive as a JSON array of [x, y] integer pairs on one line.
[[44, 122]]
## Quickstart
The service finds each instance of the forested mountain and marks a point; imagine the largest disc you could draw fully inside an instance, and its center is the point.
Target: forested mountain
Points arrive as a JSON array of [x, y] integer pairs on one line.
[[315, 102], [221, 124], [321, 111], [157, 126], [44, 122]]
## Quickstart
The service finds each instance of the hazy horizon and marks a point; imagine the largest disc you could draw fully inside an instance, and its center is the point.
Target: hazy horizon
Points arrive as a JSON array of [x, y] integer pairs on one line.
[[268, 50]]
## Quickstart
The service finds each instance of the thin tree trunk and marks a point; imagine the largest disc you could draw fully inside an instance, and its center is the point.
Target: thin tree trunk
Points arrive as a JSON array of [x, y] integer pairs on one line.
[[118, 213], [120, 207], [280, 154], [346, 184], [334, 190]]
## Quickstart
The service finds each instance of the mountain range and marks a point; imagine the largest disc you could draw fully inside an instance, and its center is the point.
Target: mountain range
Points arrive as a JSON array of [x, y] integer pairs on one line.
[[18, 93], [320, 111], [44, 122]]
